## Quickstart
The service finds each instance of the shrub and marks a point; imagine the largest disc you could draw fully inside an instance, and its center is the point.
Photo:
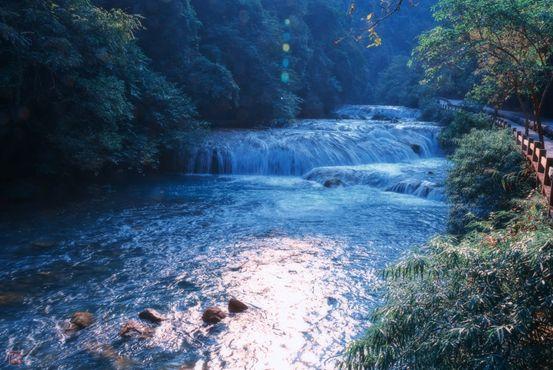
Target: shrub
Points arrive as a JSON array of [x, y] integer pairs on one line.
[[460, 124], [432, 111], [488, 171], [479, 303]]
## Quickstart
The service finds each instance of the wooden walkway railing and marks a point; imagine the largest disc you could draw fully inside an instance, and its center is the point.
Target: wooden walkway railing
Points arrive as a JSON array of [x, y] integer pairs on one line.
[[540, 155]]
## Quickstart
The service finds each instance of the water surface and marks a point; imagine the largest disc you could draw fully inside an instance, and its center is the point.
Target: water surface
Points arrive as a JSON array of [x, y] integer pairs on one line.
[[262, 228]]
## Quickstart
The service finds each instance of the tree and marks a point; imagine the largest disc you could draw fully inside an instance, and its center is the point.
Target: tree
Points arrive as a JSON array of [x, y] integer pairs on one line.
[[78, 92], [170, 37], [510, 42]]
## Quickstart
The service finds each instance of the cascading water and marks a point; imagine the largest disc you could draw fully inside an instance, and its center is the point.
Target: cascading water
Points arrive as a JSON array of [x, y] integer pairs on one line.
[[305, 145], [304, 257], [321, 150], [385, 112], [422, 178]]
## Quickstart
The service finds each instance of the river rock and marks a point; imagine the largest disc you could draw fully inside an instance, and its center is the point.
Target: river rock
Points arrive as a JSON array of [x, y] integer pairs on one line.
[[416, 148], [333, 183], [81, 320], [106, 351], [15, 358], [11, 298], [213, 315], [236, 306], [43, 243], [151, 315], [135, 329]]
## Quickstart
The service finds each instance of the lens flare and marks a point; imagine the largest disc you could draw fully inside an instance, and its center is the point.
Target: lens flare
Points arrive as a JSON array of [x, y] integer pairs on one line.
[[286, 62]]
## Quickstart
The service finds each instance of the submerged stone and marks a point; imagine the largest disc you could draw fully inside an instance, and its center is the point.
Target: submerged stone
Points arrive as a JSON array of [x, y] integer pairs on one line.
[[11, 298], [213, 315], [106, 351], [135, 329], [15, 358], [43, 243], [236, 306], [333, 183], [81, 320], [149, 314]]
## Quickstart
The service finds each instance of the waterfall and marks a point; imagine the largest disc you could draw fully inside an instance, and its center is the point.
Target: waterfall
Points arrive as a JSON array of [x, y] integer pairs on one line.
[[307, 144], [378, 146]]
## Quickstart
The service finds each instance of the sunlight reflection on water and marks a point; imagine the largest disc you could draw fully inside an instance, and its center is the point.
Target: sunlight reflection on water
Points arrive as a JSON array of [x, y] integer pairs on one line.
[[293, 284]]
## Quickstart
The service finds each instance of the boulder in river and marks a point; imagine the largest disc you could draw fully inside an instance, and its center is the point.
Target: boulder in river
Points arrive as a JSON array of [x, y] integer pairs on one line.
[[151, 315], [416, 148], [135, 329], [333, 183], [236, 306], [213, 315], [81, 320]]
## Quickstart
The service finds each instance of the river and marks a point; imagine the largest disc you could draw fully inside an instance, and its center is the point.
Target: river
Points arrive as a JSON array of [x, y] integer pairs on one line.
[[249, 217]]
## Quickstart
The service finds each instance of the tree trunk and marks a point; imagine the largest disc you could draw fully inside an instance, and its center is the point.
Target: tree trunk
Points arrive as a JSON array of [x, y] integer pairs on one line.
[[526, 115], [539, 127], [537, 117]]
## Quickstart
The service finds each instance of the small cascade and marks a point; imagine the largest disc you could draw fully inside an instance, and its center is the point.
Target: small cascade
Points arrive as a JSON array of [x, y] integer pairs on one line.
[[378, 112], [423, 178], [308, 144], [421, 189]]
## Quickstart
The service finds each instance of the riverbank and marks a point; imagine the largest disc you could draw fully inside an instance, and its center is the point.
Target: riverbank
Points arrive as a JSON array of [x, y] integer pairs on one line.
[[478, 298]]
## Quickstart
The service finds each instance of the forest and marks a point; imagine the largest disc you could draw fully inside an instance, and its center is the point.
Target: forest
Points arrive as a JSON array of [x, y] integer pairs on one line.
[[291, 184], [96, 87]]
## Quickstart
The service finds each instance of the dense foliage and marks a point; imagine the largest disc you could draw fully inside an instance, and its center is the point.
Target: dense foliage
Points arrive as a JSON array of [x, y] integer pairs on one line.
[[76, 92], [392, 78], [460, 124], [93, 86], [483, 302], [245, 62], [507, 46], [488, 171]]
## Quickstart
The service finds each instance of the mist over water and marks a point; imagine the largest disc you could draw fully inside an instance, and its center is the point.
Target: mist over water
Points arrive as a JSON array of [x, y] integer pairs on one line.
[[248, 217]]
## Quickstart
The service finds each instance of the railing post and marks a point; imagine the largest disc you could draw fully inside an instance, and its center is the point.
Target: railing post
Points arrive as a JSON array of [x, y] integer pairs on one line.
[[547, 172], [524, 145], [536, 153], [550, 200], [542, 159], [529, 149]]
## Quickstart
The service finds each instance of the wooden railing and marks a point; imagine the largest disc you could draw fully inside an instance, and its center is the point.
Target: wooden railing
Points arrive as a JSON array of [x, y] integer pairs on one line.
[[540, 155]]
